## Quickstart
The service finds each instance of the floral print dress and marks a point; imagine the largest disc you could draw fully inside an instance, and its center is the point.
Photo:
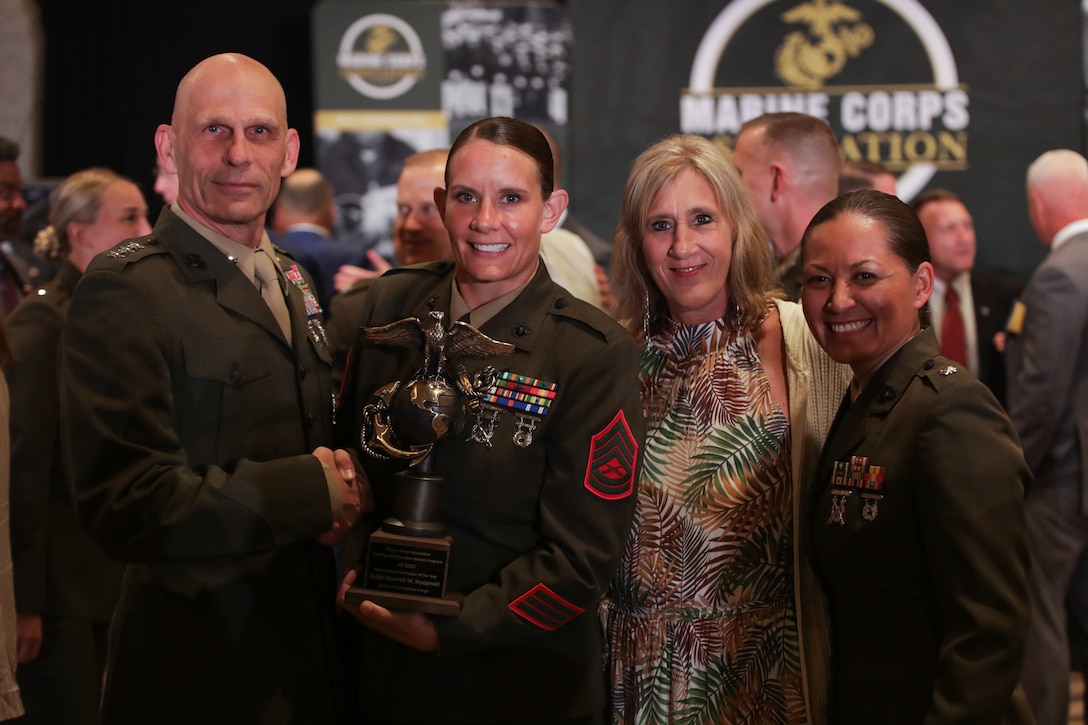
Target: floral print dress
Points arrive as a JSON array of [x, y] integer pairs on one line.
[[700, 618]]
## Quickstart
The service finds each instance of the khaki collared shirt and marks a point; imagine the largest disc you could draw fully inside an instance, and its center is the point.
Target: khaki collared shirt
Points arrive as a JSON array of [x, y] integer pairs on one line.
[[479, 316]]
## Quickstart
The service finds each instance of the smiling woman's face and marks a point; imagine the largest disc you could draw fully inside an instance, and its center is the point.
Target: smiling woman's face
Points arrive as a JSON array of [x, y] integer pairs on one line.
[[860, 298], [495, 213], [687, 245]]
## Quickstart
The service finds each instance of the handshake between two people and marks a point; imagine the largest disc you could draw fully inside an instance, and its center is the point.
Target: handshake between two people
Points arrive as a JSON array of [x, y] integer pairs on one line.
[[355, 497]]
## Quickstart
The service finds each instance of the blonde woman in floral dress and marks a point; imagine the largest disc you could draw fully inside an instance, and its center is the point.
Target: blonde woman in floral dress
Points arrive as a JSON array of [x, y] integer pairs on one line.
[[703, 618]]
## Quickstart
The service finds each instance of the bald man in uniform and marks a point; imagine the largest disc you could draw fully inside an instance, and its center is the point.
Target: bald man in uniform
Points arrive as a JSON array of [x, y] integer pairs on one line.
[[196, 414]]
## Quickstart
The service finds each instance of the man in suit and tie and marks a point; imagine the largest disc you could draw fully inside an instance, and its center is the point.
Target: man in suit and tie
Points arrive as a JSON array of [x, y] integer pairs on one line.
[[970, 305], [196, 415], [1048, 403]]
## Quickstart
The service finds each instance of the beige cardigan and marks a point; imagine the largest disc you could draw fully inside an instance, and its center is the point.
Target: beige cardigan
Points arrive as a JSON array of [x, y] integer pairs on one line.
[[816, 385], [10, 705]]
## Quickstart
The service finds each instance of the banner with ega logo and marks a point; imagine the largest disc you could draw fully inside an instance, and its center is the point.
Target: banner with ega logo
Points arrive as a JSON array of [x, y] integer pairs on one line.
[[948, 94], [823, 63]]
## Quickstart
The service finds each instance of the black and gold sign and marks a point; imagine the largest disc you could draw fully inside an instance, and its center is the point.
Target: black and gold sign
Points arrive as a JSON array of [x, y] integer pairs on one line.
[[881, 73]]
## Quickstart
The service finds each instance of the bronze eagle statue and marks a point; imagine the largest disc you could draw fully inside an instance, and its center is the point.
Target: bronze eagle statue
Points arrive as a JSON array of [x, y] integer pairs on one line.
[[461, 340]]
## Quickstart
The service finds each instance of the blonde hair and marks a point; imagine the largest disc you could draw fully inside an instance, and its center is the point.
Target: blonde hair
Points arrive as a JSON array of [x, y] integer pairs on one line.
[[77, 199], [750, 284]]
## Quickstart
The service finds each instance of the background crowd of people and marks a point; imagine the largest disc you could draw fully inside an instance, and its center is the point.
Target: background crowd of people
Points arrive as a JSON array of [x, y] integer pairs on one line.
[[779, 453]]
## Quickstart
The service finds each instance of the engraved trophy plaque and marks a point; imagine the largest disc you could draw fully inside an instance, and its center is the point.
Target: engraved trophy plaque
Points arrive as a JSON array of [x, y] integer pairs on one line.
[[408, 557]]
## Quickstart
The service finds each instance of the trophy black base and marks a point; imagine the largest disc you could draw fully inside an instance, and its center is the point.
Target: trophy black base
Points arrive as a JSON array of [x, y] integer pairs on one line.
[[407, 573], [448, 606]]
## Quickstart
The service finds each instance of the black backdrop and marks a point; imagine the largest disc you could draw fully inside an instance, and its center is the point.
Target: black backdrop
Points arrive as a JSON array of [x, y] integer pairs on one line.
[[112, 67]]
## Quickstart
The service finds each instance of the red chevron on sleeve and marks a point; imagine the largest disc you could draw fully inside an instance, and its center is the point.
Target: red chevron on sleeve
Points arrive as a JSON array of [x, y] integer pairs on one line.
[[610, 472], [544, 608]]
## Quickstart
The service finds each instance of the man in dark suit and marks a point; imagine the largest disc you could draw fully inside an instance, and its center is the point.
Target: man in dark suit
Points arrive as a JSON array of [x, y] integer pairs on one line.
[[1048, 403], [974, 334], [195, 385], [303, 217]]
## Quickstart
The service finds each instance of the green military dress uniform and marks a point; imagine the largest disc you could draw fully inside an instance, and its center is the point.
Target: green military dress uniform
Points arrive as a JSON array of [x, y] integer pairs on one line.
[[189, 422], [918, 533], [61, 575], [537, 530]]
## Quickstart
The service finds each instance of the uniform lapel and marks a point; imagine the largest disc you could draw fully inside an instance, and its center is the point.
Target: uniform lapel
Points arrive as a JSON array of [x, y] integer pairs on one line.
[[438, 299], [201, 262], [521, 324], [865, 417], [237, 293], [846, 434]]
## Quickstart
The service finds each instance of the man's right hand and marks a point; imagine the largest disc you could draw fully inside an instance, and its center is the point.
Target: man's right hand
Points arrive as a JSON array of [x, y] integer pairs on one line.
[[349, 274], [354, 493], [28, 637]]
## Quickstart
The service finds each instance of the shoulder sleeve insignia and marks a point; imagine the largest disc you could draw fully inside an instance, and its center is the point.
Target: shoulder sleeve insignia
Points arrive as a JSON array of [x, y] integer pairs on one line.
[[610, 472], [544, 608]]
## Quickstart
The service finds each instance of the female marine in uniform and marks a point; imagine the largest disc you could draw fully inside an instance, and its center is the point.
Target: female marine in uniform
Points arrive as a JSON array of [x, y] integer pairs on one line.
[[917, 524], [65, 587], [539, 485]]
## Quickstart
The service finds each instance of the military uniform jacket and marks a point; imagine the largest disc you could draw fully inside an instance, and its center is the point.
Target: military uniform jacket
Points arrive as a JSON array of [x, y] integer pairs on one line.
[[59, 570], [537, 530], [188, 421], [929, 596]]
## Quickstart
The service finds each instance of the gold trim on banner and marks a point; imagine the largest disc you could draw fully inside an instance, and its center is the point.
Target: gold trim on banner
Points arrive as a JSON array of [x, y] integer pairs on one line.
[[372, 120], [827, 90]]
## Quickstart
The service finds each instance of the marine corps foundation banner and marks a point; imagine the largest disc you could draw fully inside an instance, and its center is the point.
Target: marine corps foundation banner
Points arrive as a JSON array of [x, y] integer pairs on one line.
[[393, 78], [961, 95]]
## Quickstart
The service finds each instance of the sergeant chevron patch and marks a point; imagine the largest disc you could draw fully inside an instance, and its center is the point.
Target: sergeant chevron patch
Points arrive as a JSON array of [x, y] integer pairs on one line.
[[610, 473], [544, 608]]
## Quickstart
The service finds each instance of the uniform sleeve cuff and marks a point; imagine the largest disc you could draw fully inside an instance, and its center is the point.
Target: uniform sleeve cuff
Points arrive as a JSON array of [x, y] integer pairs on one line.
[[334, 490]]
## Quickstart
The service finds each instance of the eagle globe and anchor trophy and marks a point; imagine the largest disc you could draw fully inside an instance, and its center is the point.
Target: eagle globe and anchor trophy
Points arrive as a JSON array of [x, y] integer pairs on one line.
[[408, 556]]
